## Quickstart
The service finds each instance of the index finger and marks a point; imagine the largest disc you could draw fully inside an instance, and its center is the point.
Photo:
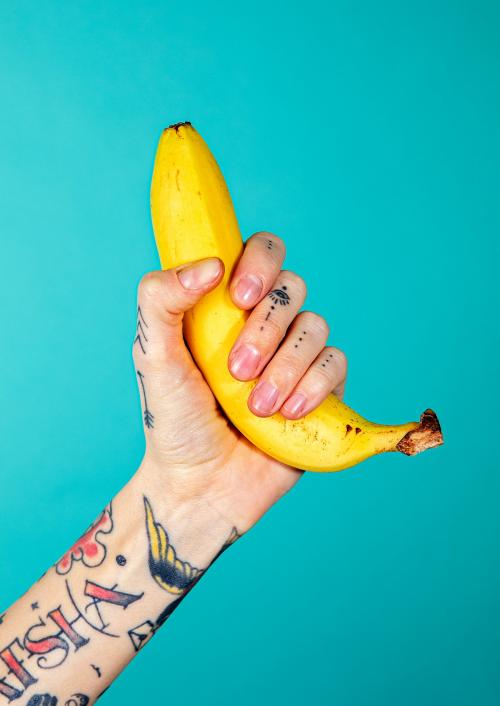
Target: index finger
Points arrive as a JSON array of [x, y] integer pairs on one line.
[[257, 269]]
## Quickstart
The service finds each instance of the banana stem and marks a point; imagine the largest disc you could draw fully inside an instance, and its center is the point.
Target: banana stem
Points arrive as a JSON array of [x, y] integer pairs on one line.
[[425, 436]]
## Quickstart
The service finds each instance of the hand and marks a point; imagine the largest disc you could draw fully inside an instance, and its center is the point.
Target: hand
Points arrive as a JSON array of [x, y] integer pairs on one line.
[[190, 445]]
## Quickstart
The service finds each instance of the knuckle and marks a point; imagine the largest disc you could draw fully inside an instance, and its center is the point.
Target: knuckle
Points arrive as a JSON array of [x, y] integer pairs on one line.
[[150, 285], [271, 240], [316, 323], [273, 330], [296, 282], [319, 381], [340, 359]]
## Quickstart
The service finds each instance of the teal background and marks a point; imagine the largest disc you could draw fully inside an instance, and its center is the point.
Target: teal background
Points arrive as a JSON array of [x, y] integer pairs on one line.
[[367, 135]]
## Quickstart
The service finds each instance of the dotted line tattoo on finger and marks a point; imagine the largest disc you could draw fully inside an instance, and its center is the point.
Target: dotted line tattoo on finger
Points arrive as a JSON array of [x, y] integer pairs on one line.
[[141, 337], [327, 360], [296, 345], [279, 297], [269, 244]]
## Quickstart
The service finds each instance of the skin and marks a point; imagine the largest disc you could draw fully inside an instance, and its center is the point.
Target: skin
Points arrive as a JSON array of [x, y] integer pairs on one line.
[[204, 483]]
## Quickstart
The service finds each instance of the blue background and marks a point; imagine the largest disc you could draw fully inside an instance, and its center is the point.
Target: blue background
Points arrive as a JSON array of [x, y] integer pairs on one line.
[[367, 135]]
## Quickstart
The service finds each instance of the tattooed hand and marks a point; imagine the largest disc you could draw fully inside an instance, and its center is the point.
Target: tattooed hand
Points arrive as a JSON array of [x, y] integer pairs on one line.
[[200, 485], [190, 444]]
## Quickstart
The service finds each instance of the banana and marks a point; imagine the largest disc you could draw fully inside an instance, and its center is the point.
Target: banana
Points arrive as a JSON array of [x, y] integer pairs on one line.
[[193, 218]]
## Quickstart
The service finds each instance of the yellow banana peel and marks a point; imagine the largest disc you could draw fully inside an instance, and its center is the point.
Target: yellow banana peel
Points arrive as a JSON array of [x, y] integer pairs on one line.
[[193, 218]]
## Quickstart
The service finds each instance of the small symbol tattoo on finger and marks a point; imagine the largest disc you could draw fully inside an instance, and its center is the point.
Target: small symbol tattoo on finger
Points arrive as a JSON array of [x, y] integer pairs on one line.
[[280, 296], [141, 337], [148, 417], [300, 339]]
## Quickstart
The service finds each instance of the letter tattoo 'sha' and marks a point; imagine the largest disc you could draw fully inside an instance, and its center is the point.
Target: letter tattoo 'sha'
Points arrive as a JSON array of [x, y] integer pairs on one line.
[[89, 549], [141, 337], [148, 417]]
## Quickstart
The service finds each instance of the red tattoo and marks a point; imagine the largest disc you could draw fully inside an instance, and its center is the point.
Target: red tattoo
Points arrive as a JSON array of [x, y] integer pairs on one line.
[[88, 549]]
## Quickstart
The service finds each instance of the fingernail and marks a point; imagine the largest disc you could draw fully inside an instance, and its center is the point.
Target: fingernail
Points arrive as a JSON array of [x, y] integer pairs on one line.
[[244, 361], [264, 397], [248, 289], [295, 405], [199, 274]]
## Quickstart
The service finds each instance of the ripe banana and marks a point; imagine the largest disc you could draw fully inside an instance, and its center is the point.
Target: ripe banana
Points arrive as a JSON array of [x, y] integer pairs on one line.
[[193, 218]]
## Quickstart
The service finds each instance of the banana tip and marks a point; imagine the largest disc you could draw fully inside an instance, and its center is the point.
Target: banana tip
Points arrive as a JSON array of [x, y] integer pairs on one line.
[[176, 126], [425, 436]]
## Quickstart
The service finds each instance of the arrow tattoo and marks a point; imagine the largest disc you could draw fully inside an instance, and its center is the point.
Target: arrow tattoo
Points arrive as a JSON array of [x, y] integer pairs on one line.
[[148, 417], [141, 333]]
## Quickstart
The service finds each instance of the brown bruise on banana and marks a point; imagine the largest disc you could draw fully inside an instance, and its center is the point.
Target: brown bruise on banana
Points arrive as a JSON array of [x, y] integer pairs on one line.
[[279, 297]]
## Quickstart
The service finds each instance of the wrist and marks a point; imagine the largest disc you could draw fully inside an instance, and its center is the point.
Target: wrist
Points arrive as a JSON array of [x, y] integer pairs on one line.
[[181, 502]]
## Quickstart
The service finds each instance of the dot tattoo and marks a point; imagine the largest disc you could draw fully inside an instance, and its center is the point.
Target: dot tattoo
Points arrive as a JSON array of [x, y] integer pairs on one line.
[[269, 244], [330, 356], [300, 339], [120, 560]]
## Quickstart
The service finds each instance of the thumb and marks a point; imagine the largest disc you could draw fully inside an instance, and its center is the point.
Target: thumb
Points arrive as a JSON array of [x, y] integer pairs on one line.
[[163, 297]]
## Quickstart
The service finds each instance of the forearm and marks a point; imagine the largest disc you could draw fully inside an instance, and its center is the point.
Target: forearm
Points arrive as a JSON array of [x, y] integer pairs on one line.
[[87, 617]]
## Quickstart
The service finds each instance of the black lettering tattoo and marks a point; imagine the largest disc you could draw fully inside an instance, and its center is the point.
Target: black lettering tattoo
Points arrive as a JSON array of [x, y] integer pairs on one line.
[[15, 665], [45, 646], [49, 700], [97, 670], [51, 648], [77, 700], [148, 417], [170, 573], [110, 595], [141, 337], [89, 549], [42, 700]]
